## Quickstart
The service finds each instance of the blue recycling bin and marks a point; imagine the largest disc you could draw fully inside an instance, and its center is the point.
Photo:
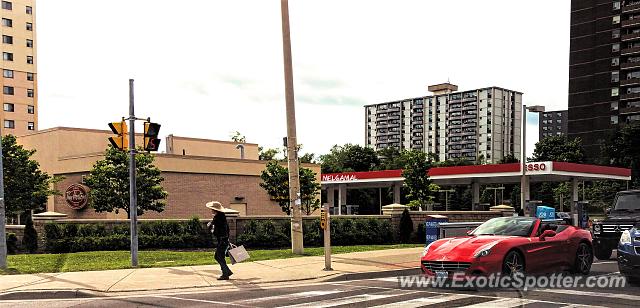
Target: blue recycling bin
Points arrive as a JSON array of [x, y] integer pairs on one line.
[[432, 227], [545, 212]]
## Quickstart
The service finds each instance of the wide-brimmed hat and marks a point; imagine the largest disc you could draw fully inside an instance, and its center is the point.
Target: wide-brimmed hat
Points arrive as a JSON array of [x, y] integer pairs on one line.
[[217, 206]]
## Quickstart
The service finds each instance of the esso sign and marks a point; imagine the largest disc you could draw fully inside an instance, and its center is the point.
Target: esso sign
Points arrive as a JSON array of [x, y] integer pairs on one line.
[[536, 167]]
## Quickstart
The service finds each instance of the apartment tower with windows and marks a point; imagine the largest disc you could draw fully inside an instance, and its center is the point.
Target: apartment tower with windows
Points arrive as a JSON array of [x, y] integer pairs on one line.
[[19, 79], [553, 123], [483, 123], [604, 69]]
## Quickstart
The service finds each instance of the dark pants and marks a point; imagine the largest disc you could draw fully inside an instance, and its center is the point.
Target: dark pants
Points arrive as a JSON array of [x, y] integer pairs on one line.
[[221, 250]]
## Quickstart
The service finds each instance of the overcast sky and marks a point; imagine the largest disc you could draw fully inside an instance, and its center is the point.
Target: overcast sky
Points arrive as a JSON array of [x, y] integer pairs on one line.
[[205, 68]]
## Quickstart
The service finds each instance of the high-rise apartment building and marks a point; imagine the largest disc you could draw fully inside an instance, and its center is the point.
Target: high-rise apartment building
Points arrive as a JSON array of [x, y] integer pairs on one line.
[[553, 123], [604, 69], [19, 78], [469, 124]]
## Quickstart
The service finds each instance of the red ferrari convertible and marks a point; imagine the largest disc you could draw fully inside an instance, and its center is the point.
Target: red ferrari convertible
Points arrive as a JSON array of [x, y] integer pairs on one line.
[[509, 245]]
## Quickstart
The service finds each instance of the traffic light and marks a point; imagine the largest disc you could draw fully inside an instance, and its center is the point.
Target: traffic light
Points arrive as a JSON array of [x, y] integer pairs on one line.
[[151, 141], [121, 141]]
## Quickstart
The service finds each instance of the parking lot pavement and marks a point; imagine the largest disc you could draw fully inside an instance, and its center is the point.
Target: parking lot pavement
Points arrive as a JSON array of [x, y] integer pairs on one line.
[[379, 292]]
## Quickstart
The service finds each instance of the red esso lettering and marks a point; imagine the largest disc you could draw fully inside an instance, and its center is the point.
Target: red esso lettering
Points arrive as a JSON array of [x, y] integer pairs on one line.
[[543, 167], [536, 167]]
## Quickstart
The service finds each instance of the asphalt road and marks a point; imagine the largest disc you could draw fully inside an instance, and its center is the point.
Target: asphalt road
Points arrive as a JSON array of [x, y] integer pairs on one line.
[[381, 292]]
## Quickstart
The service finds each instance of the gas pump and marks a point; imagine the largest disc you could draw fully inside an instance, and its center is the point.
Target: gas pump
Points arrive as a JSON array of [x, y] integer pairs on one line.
[[582, 220]]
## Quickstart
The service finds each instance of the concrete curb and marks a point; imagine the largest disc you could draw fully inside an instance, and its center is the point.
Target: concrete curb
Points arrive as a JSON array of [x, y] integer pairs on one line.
[[89, 293]]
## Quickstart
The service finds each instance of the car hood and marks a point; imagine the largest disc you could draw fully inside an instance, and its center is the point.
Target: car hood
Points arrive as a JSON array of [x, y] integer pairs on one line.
[[622, 217], [462, 249]]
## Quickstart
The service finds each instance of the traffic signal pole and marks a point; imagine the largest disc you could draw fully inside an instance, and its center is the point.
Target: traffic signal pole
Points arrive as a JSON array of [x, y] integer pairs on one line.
[[133, 196], [3, 234]]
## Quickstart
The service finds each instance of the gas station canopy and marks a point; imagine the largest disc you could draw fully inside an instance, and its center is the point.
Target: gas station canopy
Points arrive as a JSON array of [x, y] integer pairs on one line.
[[488, 174]]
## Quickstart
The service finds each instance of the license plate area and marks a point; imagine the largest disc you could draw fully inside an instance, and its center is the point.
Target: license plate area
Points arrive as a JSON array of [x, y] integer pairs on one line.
[[442, 274]]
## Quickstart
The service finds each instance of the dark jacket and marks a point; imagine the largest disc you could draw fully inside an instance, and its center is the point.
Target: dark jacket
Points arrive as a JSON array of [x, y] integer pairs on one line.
[[220, 227]]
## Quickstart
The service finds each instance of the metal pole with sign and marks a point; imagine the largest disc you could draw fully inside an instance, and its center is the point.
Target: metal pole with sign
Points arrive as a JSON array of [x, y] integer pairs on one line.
[[325, 225]]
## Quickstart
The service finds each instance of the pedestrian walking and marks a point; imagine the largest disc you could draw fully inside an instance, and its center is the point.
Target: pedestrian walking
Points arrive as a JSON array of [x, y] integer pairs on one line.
[[220, 229]]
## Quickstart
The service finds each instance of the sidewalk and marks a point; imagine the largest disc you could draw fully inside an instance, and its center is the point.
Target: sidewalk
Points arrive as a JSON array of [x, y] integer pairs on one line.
[[357, 265]]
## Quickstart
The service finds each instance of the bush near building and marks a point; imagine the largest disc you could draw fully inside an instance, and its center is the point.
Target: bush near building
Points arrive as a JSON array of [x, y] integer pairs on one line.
[[61, 237], [344, 232], [12, 243]]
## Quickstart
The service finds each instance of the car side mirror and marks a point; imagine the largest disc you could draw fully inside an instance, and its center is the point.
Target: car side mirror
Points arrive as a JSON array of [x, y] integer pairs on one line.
[[547, 233], [608, 211], [469, 232]]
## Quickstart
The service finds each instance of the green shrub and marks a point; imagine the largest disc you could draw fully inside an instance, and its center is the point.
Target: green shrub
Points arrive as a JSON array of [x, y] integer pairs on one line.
[[12, 243], [406, 227], [30, 238], [265, 234], [153, 234]]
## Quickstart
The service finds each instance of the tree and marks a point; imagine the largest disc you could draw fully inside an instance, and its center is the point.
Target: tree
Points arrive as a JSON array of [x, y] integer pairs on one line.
[[559, 148], [26, 187], [109, 183], [30, 238], [509, 159], [417, 180], [622, 149], [237, 137], [391, 158], [275, 180], [406, 227], [307, 158], [268, 154], [349, 157]]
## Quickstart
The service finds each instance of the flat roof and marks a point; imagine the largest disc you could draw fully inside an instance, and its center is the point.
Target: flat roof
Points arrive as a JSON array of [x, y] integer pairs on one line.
[[548, 171]]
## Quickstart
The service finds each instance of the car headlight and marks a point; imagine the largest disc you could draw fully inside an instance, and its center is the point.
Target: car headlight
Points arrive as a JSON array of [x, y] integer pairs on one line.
[[626, 237], [597, 229], [426, 249], [482, 253]]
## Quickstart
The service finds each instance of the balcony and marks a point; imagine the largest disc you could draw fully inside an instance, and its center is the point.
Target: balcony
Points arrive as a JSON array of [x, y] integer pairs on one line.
[[631, 8], [630, 65], [630, 51], [630, 23], [625, 97], [629, 110], [630, 37], [470, 107], [628, 82]]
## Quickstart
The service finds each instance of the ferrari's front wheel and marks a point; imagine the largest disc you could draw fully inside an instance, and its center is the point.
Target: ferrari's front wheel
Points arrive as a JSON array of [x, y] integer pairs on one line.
[[513, 263], [583, 260]]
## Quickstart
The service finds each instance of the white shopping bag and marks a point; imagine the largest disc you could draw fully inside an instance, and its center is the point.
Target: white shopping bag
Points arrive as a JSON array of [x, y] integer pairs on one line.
[[237, 253]]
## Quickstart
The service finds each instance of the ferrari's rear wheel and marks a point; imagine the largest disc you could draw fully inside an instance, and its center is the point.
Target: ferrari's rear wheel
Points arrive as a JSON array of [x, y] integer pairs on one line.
[[513, 263], [584, 259]]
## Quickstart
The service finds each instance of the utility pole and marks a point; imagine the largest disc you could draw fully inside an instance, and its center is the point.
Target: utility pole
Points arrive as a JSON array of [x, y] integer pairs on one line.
[[3, 234], [295, 201], [133, 195]]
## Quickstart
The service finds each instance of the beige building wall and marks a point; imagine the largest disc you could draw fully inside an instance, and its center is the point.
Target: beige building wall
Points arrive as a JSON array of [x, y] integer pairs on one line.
[[190, 180], [211, 148], [24, 113]]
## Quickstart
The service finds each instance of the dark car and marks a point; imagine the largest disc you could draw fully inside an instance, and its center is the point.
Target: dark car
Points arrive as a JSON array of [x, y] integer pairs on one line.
[[629, 255], [565, 216], [624, 215]]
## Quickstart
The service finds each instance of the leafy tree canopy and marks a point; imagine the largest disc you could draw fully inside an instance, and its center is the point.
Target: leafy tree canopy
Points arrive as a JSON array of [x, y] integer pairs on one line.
[[416, 177], [26, 187], [109, 183], [349, 157], [623, 150], [559, 148], [275, 180]]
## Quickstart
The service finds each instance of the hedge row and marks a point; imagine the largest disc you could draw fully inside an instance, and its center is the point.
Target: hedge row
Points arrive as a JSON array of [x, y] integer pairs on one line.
[[344, 231], [156, 234]]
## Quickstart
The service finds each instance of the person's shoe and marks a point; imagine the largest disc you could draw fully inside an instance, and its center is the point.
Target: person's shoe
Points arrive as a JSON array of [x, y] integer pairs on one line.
[[223, 277]]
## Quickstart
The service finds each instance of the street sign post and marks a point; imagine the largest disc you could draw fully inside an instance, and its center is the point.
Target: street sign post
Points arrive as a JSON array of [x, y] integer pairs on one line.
[[326, 227], [3, 234], [133, 192]]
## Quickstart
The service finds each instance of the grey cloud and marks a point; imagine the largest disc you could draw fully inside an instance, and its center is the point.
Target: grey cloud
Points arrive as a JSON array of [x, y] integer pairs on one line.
[[331, 100], [323, 84]]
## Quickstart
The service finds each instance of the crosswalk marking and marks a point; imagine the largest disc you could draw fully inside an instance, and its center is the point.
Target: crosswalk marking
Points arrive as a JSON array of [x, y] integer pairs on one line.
[[351, 299], [581, 306], [596, 294], [289, 296], [419, 302], [504, 303]]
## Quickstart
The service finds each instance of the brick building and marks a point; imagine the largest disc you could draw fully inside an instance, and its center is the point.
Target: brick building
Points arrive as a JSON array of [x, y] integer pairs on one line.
[[195, 171]]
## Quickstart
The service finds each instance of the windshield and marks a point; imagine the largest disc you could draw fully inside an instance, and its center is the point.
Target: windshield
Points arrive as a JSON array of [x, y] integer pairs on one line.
[[628, 202], [514, 226]]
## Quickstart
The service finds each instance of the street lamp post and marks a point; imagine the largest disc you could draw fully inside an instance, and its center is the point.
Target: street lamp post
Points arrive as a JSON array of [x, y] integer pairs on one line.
[[524, 184], [3, 234]]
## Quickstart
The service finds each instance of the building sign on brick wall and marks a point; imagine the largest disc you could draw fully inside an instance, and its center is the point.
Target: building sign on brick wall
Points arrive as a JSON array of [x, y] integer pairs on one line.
[[76, 196]]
